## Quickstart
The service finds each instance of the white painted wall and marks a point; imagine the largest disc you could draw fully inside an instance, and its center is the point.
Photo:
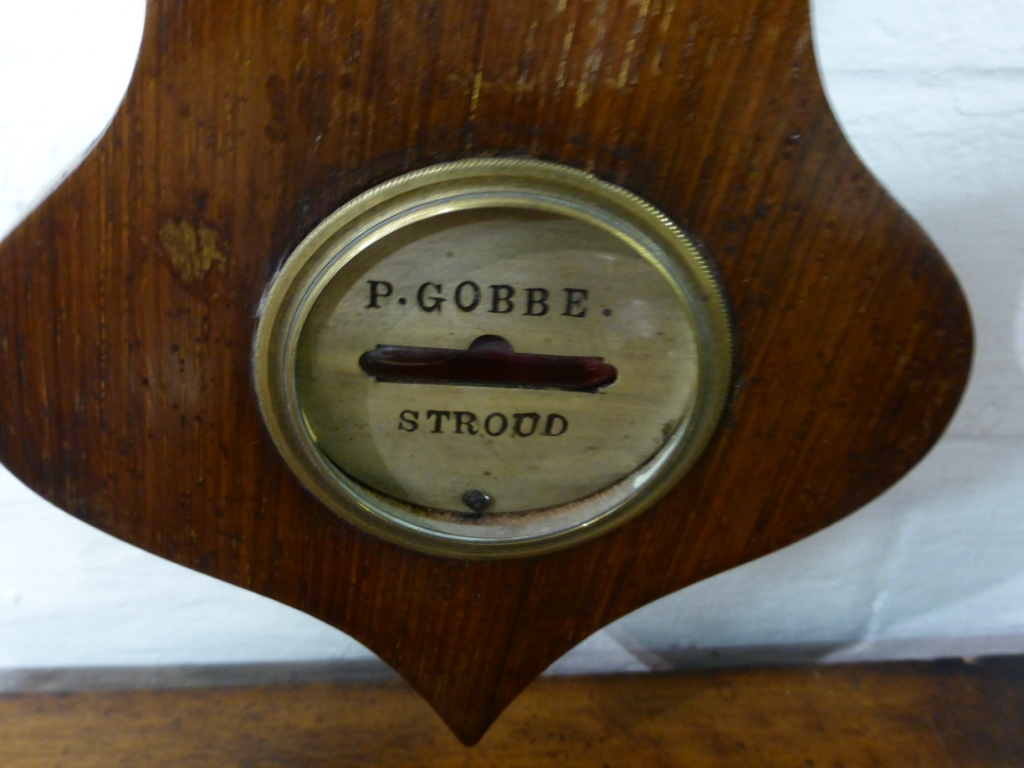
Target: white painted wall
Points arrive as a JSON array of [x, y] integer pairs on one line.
[[931, 94]]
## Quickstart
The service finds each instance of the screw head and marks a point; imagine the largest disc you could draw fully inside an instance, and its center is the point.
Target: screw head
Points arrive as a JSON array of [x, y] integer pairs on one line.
[[478, 501]]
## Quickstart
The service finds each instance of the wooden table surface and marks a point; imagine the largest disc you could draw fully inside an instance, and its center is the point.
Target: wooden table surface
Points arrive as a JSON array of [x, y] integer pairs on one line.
[[929, 715]]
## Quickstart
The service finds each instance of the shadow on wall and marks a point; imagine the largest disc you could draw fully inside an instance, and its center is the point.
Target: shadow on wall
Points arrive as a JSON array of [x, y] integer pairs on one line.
[[1018, 331]]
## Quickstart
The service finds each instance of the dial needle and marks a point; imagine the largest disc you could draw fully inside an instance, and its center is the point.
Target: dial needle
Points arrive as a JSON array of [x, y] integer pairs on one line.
[[490, 361]]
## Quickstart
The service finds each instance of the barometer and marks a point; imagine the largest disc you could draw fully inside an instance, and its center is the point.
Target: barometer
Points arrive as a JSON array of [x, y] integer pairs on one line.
[[413, 317]]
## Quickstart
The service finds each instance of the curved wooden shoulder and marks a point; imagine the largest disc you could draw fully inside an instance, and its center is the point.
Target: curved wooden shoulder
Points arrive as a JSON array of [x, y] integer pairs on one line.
[[130, 296]]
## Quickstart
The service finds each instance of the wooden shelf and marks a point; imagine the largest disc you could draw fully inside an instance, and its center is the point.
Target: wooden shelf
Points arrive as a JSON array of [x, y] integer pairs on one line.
[[931, 715]]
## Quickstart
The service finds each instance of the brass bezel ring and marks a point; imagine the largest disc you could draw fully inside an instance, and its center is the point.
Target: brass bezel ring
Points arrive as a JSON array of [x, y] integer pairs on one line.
[[462, 185]]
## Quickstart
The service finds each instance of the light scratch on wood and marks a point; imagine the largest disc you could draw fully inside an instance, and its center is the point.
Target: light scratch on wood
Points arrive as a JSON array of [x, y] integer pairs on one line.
[[563, 60]]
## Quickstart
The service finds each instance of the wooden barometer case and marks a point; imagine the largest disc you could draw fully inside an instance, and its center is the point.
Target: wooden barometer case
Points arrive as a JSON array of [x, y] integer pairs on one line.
[[469, 327]]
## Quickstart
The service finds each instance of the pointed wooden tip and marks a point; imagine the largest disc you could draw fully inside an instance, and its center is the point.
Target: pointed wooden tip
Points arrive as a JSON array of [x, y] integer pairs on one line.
[[469, 721], [469, 730], [469, 711]]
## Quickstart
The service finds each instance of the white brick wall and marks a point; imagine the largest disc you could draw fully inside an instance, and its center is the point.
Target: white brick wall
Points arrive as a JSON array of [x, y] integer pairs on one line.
[[931, 93]]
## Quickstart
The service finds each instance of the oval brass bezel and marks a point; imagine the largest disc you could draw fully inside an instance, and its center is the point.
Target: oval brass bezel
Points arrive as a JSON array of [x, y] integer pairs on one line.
[[462, 185]]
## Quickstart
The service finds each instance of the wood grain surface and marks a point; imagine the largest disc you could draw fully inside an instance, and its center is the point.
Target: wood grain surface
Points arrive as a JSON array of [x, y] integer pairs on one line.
[[929, 715], [129, 298]]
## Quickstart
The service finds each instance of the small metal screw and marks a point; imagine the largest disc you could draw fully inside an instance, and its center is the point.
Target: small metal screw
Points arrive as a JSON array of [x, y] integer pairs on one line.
[[478, 501]]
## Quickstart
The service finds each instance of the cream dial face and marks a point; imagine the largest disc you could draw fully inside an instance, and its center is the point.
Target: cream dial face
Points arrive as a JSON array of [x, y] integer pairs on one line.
[[546, 284], [492, 358]]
